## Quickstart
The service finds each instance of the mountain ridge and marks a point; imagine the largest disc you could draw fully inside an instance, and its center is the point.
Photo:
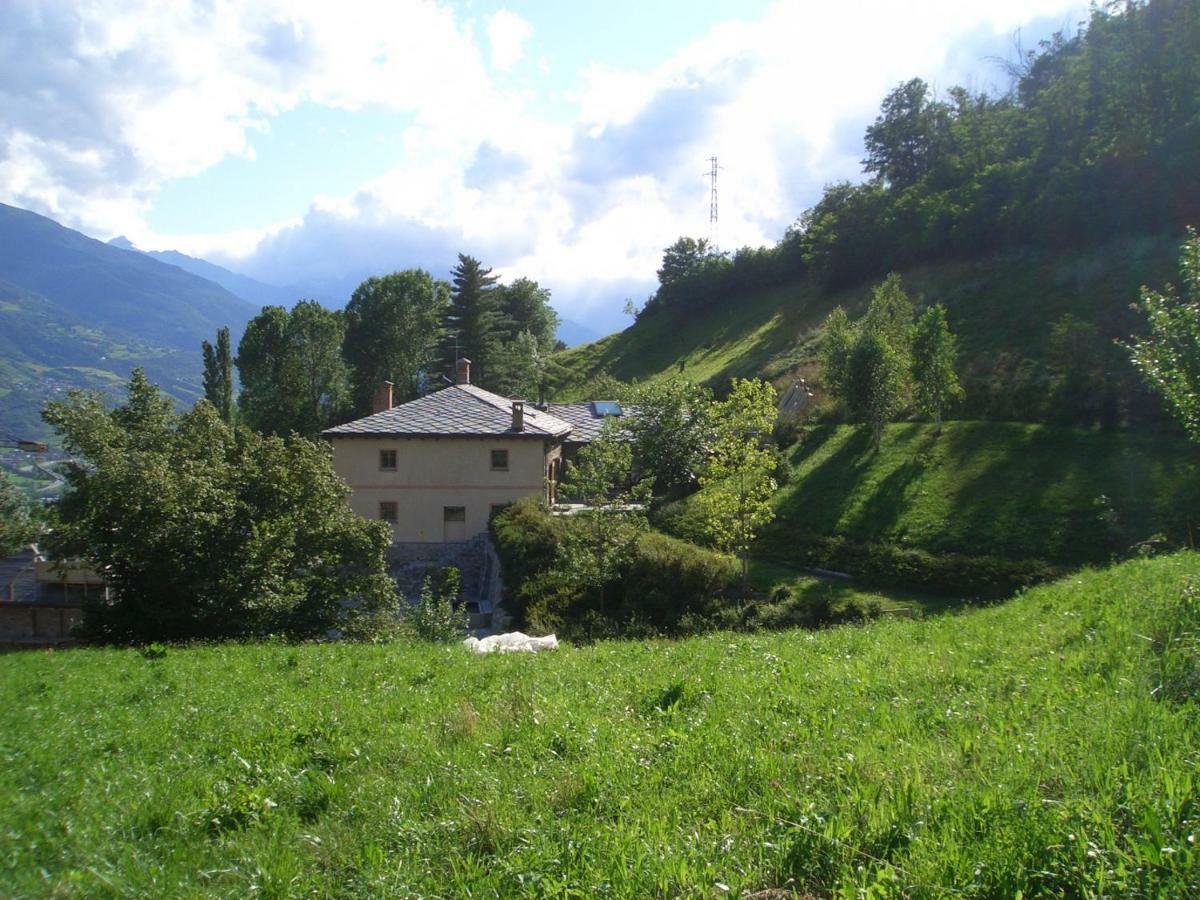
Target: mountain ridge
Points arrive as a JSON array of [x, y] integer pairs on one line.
[[259, 293], [76, 312]]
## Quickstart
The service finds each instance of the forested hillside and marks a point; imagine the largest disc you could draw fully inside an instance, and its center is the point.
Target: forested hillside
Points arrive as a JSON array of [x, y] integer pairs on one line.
[[1033, 216]]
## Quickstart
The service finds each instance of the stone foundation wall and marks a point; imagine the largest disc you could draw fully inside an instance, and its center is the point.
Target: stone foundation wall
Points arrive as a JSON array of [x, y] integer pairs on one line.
[[28, 623], [410, 563]]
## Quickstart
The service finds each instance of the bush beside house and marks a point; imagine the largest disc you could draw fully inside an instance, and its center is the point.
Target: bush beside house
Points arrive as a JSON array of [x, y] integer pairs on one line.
[[667, 586]]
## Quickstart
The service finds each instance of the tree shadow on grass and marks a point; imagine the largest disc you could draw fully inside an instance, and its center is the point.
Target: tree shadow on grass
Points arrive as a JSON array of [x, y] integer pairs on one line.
[[1035, 497], [883, 509], [815, 504]]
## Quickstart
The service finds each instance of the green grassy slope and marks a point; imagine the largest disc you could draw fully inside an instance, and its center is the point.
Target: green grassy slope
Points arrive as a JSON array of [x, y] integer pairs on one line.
[[986, 488], [996, 305], [1048, 745]]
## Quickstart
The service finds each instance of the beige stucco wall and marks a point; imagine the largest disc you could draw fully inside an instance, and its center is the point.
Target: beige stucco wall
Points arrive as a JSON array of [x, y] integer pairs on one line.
[[433, 473]]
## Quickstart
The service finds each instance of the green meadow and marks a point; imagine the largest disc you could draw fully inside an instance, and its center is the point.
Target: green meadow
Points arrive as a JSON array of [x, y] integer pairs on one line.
[[1046, 746]]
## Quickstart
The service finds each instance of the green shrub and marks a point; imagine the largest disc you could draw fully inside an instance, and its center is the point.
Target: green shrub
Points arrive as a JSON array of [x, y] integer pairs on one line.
[[816, 608], [526, 537], [669, 578], [668, 586], [783, 593], [435, 617], [681, 519]]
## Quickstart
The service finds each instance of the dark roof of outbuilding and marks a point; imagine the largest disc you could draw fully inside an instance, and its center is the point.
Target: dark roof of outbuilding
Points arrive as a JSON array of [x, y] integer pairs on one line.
[[461, 410], [586, 422]]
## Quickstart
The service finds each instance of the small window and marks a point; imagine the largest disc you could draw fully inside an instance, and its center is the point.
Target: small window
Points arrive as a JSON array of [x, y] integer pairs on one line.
[[454, 513], [387, 460], [388, 511], [499, 460]]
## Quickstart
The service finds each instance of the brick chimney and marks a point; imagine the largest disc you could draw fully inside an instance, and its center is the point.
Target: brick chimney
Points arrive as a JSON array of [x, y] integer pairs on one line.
[[462, 371], [383, 398], [518, 409]]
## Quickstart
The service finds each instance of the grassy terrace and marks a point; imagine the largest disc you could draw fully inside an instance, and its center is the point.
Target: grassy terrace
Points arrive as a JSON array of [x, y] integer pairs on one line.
[[984, 488], [1048, 745]]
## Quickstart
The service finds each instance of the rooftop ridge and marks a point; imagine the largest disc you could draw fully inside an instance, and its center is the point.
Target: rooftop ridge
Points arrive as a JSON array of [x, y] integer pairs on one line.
[[447, 412], [485, 396]]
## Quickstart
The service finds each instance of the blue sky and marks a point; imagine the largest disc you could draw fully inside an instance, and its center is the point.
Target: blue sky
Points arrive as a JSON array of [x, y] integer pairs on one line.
[[314, 144]]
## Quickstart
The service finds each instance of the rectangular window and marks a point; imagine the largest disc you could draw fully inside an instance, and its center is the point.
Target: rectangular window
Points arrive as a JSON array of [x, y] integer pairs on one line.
[[388, 511], [387, 460], [454, 514], [499, 460]]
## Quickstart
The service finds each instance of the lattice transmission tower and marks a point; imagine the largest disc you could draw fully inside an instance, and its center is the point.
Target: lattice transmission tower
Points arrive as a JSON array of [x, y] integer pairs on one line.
[[713, 210]]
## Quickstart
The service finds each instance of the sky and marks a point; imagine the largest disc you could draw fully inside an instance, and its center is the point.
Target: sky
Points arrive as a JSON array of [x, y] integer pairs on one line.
[[316, 143]]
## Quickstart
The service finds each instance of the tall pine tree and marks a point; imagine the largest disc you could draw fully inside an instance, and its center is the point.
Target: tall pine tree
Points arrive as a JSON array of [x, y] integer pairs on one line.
[[475, 324]]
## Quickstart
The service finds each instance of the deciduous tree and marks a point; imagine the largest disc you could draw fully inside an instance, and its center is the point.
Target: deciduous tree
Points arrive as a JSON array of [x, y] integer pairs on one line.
[[265, 403], [15, 526], [218, 375], [934, 357], [596, 553], [1169, 356], [668, 431], [875, 391], [519, 368], [291, 368], [868, 363], [204, 530], [738, 482], [394, 329]]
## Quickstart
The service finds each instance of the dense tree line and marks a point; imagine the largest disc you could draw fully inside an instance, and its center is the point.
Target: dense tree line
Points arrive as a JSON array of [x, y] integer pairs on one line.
[[304, 369], [1099, 137]]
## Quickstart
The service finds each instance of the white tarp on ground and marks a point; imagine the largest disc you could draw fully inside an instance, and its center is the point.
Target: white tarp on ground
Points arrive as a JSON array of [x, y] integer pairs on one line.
[[513, 642]]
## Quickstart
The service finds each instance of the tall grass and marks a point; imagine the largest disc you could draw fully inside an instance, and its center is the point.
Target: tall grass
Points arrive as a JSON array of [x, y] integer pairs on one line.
[[1047, 746]]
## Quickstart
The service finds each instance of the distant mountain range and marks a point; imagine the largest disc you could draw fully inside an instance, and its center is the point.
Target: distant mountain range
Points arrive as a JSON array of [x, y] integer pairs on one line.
[[249, 289], [78, 313], [259, 293]]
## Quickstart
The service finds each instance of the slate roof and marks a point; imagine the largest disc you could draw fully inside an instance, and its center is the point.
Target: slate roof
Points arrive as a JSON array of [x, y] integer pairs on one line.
[[461, 410], [585, 422]]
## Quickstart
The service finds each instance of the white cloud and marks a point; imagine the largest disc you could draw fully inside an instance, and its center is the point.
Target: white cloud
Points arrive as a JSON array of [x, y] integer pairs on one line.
[[507, 33], [117, 98], [143, 94]]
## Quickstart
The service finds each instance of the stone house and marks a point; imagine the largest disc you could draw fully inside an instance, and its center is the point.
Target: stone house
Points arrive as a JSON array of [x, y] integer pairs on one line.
[[437, 467]]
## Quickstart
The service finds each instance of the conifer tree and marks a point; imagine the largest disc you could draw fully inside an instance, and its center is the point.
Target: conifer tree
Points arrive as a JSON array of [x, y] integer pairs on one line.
[[474, 321]]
